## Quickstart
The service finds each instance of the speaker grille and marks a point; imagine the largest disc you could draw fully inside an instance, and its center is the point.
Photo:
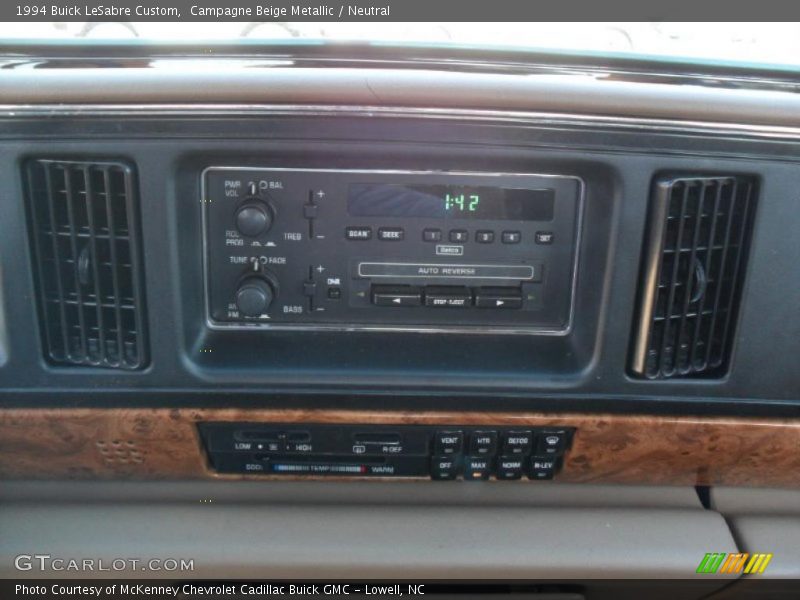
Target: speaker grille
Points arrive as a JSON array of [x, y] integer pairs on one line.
[[694, 263], [84, 228]]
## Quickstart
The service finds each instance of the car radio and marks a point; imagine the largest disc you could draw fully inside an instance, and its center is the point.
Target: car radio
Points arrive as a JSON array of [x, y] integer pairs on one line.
[[390, 250]]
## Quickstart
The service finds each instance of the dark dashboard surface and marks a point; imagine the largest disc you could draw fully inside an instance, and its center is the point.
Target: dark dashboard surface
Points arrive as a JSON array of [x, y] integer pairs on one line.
[[171, 142]]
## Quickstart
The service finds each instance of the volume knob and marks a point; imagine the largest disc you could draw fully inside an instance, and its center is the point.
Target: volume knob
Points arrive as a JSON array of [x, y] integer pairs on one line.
[[253, 218], [254, 296]]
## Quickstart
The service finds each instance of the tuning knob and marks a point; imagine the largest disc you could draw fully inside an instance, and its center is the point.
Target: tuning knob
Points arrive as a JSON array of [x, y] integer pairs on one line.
[[254, 296], [253, 218]]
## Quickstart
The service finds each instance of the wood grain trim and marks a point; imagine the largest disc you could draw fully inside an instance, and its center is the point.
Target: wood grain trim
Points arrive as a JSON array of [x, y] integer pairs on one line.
[[164, 444]]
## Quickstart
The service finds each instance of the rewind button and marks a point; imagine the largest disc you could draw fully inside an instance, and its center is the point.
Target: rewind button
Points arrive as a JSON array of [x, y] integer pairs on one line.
[[396, 295]]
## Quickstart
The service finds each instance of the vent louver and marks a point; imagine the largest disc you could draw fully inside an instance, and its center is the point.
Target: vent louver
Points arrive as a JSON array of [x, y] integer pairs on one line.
[[87, 263], [694, 264]]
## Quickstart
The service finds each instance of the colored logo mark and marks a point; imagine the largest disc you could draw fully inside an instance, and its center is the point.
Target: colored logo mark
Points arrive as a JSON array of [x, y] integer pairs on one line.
[[722, 562]]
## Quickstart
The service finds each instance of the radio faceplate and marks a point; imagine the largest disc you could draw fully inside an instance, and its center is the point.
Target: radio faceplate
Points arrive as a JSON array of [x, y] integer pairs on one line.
[[390, 250]]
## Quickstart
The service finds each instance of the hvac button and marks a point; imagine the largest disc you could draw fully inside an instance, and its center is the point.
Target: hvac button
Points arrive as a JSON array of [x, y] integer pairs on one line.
[[483, 443], [517, 442], [448, 296], [498, 297], [477, 467], [444, 467], [509, 467], [551, 442], [396, 295], [449, 442], [542, 467]]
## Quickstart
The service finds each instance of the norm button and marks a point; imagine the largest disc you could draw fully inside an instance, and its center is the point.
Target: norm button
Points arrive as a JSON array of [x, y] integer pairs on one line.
[[449, 442], [396, 295], [509, 467], [517, 442]]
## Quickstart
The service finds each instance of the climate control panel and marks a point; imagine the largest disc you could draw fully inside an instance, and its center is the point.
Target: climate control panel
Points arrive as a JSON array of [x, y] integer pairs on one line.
[[390, 250], [441, 453]]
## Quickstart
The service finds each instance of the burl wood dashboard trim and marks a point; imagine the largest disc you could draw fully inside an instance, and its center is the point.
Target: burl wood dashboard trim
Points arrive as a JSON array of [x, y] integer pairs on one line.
[[637, 449]]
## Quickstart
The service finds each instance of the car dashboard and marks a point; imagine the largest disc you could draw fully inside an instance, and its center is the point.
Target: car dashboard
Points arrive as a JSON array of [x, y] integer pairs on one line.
[[392, 289]]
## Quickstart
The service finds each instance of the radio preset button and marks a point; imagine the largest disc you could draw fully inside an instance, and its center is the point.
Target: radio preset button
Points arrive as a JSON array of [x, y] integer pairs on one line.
[[396, 295], [511, 237], [459, 235], [432, 235], [448, 442], [498, 297], [358, 233], [448, 296], [391, 234], [484, 237]]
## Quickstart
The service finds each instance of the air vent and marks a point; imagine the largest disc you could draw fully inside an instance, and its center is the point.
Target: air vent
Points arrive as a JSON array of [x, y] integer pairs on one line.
[[87, 262], [694, 263]]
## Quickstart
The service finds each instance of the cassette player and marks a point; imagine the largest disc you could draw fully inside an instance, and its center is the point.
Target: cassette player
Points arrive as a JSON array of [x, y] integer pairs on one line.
[[390, 250]]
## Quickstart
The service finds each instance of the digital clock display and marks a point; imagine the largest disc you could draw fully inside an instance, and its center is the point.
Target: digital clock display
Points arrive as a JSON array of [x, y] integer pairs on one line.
[[450, 202]]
